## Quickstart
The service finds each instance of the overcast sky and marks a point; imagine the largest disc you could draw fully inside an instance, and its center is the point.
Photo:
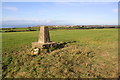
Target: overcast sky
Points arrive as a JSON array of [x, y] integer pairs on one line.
[[59, 13]]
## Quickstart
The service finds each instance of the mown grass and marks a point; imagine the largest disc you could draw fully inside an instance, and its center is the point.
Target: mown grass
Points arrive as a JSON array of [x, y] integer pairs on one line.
[[93, 55]]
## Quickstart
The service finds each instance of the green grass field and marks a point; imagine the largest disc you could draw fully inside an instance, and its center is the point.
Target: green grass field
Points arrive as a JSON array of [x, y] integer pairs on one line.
[[93, 55]]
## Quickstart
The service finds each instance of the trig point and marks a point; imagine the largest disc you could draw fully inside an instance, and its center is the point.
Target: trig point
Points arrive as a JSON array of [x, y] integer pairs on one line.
[[44, 36], [43, 39]]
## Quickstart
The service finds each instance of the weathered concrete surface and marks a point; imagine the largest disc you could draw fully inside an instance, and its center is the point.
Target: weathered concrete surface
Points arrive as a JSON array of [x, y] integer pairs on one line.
[[42, 45], [44, 36]]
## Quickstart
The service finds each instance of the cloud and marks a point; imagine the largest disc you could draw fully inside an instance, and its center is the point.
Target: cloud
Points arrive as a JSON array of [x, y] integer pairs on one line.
[[115, 10], [20, 21], [12, 18], [10, 8]]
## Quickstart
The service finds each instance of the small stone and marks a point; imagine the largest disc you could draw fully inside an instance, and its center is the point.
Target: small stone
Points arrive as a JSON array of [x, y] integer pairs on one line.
[[35, 51]]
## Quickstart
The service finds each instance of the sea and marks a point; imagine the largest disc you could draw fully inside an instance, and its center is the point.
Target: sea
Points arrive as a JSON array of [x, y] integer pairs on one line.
[[16, 26]]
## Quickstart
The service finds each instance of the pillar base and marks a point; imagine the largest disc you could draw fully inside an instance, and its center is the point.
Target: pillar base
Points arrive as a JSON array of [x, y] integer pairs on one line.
[[43, 45]]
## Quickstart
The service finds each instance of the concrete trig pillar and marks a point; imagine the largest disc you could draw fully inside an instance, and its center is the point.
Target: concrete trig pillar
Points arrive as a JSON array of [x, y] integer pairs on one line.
[[44, 36]]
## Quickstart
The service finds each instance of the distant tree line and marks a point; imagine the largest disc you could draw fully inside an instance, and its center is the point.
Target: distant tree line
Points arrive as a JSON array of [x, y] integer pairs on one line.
[[36, 28], [81, 27]]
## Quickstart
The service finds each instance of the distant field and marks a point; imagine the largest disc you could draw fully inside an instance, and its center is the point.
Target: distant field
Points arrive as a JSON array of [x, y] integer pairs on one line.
[[94, 54]]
